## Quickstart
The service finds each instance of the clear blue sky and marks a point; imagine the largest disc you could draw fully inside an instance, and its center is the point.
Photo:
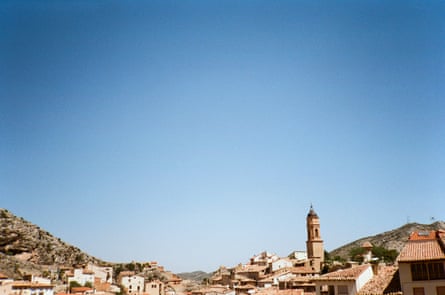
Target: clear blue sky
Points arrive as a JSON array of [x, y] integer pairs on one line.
[[198, 133]]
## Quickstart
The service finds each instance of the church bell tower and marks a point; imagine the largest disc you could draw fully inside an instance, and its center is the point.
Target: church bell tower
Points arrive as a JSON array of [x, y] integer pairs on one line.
[[314, 243]]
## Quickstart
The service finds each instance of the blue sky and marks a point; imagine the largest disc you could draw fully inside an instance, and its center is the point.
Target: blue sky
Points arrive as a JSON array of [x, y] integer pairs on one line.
[[198, 133]]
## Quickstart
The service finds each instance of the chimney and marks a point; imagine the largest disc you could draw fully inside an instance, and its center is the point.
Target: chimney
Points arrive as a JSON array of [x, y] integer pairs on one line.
[[375, 268]]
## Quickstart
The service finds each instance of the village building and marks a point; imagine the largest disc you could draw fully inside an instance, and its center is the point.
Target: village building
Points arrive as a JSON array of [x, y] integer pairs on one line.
[[132, 284], [214, 290], [282, 263], [35, 286], [275, 291], [82, 290], [26, 288], [81, 276], [36, 279], [343, 282], [267, 270], [264, 258], [222, 277], [385, 281], [155, 287], [422, 264], [367, 247], [102, 273], [298, 255]]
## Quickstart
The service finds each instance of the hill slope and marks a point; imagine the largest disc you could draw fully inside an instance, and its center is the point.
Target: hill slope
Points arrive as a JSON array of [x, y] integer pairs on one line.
[[196, 276], [393, 239], [26, 248]]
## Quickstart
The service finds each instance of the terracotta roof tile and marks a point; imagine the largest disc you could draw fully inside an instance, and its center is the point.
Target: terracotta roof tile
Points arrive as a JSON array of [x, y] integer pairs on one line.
[[80, 289], [302, 270], [275, 291], [421, 249], [26, 284], [367, 244], [348, 274], [381, 282], [251, 268], [422, 235]]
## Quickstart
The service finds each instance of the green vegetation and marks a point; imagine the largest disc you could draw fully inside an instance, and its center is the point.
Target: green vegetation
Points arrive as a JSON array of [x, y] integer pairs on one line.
[[356, 254], [386, 255], [88, 284], [74, 284], [381, 253]]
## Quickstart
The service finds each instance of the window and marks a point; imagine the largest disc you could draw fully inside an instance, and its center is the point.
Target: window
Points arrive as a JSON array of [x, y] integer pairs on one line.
[[436, 271], [418, 291], [427, 271], [419, 272], [440, 290]]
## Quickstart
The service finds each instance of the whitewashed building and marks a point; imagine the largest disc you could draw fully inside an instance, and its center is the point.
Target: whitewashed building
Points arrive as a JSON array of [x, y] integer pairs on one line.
[[298, 255], [280, 264], [82, 276], [103, 273], [27, 288], [133, 284]]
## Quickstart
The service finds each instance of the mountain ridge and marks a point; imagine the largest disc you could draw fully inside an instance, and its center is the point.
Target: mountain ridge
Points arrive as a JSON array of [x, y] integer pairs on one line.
[[391, 239], [25, 248]]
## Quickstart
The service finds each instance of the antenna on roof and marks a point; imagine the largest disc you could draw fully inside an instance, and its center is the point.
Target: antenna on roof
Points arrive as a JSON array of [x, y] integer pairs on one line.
[[407, 219]]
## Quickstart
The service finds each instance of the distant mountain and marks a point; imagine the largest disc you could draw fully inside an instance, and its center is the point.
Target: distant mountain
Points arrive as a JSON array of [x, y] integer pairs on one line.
[[25, 248], [196, 276], [393, 239]]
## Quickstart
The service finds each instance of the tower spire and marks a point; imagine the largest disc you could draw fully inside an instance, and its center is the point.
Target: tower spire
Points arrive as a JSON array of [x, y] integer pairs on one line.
[[314, 243]]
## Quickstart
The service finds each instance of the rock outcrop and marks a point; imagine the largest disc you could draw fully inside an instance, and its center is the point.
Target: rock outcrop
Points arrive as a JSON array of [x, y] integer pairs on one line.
[[25, 248]]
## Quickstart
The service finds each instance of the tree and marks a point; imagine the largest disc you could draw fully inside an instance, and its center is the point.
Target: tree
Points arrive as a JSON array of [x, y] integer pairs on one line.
[[130, 266], [385, 254], [74, 284], [356, 254], [327, 256], [88, 284]]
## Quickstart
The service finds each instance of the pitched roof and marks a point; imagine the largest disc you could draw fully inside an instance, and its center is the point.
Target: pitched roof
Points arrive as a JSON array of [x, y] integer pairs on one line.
[[302, 270], [212, 289], [367, 244], [422, 246], [26, 284], [386, 280], [276, 291], [3, 276], [349, 274], [81, 289], [251, 268]]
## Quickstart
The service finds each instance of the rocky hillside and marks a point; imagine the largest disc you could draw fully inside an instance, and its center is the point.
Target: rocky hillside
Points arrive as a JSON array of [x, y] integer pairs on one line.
[[197, 276], [394, 239], [26, 248]]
